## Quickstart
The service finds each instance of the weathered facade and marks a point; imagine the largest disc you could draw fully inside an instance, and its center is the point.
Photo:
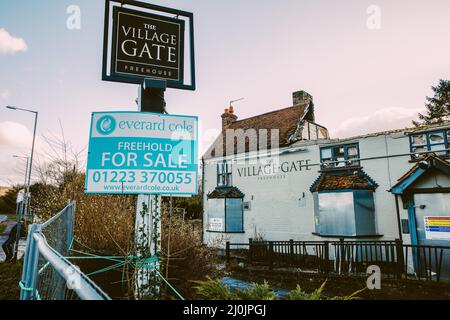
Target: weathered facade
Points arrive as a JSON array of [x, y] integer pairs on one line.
[[300, 184]]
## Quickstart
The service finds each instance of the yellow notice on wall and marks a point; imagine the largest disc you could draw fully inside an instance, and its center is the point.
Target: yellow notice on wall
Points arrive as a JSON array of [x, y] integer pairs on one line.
[[437, 228]]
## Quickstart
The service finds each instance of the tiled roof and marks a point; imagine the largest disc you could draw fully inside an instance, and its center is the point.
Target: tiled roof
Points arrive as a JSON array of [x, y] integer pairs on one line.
[[343, 180], [229, 193], [286, 120]]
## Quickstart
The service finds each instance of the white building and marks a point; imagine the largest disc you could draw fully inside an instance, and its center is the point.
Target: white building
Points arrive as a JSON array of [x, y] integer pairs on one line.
[[381, 186]]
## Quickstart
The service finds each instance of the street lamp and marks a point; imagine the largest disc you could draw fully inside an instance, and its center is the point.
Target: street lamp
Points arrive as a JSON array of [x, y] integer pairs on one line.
[[30, 166], [21, 208], [26, 168], [34, 138]]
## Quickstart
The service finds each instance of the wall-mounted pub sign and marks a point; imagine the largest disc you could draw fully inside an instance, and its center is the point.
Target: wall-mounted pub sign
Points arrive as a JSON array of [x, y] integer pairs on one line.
[[144, 41]]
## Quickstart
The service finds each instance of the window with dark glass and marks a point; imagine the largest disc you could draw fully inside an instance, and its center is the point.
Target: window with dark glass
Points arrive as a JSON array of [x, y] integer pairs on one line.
[[340, 156], [435, 141], [224, 174]]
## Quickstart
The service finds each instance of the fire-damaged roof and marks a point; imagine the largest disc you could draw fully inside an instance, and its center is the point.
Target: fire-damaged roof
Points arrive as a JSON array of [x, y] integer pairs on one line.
[[349, 180], [289, 121], [404, 131], [226, 193], [286, 120]]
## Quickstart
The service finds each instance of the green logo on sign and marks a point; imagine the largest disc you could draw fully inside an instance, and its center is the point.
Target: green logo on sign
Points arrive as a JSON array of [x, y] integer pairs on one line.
[[106, 125]]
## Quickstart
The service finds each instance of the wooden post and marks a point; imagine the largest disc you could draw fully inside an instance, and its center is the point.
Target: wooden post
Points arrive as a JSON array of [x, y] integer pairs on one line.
[[250, 250], [271, 255], [341, 254], [400, 258], [291, 251], [227, 251], [326, 257]]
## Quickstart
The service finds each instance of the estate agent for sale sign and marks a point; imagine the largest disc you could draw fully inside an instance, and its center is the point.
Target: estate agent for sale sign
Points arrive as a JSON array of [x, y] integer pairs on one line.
[[142, 153]]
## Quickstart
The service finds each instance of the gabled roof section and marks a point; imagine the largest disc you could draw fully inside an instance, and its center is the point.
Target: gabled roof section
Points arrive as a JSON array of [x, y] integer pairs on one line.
[[289, 121], [432, 161], [286, 120], [226, 193], [343, 180]]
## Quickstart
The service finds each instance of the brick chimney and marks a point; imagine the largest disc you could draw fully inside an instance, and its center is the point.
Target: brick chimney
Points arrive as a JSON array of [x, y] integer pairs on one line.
[[228, 117], [301, 97], [304, 98]]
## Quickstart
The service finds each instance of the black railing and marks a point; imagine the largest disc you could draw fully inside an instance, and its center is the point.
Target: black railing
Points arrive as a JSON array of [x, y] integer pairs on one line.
[[395, 259], [430, 262], [356, 256]]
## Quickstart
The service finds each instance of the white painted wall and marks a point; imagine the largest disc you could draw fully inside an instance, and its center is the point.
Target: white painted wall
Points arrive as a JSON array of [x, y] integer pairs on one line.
[[276, 212]]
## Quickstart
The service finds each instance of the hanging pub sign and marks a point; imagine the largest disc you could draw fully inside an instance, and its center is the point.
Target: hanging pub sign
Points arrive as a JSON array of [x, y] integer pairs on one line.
[[144, 41], [146, 45]]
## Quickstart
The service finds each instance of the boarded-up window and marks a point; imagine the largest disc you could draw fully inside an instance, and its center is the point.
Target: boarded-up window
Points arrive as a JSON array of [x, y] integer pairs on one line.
[[343, 214], [234, 215], [225, 215]]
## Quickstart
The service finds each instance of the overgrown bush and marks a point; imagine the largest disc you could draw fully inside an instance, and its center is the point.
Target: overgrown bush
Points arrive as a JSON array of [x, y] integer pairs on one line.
[[216, 290], [8, 201], [102, 222], [184, 258], [192, 207], [257, 292]]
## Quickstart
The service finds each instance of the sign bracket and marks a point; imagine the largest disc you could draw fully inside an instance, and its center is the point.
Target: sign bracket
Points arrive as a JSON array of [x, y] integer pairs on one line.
[[151, 96]]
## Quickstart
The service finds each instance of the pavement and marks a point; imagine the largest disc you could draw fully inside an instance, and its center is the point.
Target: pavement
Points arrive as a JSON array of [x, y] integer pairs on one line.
[[4, 237], [3, 218]]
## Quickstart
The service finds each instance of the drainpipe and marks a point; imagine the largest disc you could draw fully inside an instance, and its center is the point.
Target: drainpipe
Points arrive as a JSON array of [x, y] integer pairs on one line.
[[203, 197], [398, 218]]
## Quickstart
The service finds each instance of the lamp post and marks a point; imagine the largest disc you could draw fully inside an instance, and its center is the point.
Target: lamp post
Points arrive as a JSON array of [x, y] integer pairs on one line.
[[26, 168], [30, 166], [34, 138], [24, 186]]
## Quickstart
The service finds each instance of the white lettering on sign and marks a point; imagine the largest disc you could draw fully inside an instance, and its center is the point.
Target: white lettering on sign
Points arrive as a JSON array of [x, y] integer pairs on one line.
[[168, 127], [148, 45], [142, 153]]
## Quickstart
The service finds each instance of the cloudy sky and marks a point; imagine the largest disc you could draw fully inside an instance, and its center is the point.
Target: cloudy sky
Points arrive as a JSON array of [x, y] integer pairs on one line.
[[368, 64]]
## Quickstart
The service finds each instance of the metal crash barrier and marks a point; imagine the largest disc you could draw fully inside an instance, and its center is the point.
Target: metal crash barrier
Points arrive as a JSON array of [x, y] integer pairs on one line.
[[47, 274]]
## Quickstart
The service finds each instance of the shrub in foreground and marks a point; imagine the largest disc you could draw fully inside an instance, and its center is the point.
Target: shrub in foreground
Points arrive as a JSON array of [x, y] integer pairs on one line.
[[216, 290]]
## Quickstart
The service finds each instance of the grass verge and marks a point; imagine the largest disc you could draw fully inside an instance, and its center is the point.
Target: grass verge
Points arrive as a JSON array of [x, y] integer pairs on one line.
[[10, 274]]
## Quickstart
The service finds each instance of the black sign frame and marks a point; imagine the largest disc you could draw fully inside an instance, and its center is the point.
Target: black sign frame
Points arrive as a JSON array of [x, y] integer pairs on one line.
[[135, 79]]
